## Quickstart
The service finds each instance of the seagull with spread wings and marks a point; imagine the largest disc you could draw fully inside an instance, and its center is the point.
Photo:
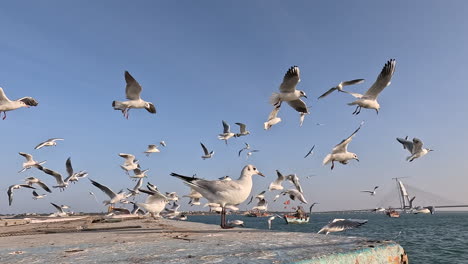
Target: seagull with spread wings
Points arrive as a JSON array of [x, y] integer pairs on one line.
[[340, 152], [414, 147], [242, 130], [132, 92], [273, 118], [8, 105], [310, 152], [207, 154], [48, 143], [339, 87], [151, 149], [114, 197], [227, 134], [371, 192], [338, 225], [31, 180], [15, 187], [130, 162], [30, 162], [369, 99]]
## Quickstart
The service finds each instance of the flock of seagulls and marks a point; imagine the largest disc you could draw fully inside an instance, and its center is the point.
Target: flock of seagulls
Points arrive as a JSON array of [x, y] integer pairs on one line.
[[224, 193]]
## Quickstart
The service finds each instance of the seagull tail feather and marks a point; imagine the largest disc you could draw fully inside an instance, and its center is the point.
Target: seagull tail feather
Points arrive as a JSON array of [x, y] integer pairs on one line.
[[117, 105], [327, 159], [184, 178]]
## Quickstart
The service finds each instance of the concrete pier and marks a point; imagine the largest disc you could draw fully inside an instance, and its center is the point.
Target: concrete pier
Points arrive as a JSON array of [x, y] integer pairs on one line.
[[170, 241]]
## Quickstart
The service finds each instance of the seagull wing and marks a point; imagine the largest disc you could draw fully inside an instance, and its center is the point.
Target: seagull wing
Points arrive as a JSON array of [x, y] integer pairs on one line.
[[205, 150], [299, 106], [35, 193], [29, 101], [273, 113], [406, 144], [129, 158], [58, 177], [69, 167], [3, 97], [28, 157], [241, 127], [226, 127], [343, 224], [55, 139], [417, 145], [310, 152], [10, 194], [382, 81], [295, 180], [44, 186], [343, 145], [327, 92], [105, 189], [133, 88], [352, 82], [290, 80], [60, 209]]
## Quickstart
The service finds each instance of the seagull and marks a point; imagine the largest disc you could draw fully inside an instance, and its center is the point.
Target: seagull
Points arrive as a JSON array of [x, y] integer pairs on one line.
[[339, 87], [207, 154], [30, 162], [8, 105], [272, 118], [15, 187], [130, 162], [310, 152], [271, 218], [369, 99], [276, 197], [72, 176], [415, 148], [224, 192], [162, 143], [311, 206], [234, 223], [288, 92], [93, 195], [135, 191], [251, 152], [132, 92], [295, 180], [276, 185], [338, 225], [60, 210], [139, 174], [37, 196], [259, 196], [243, 131], [31, 180], [262, 205], [152, 149], [114, 197], [172, 196], [47, 143], [194, 197], [295, 194], [173, 211], [154, 203], [340, 152], [247, 147], [227, 134], [371, 192], [61, 184]]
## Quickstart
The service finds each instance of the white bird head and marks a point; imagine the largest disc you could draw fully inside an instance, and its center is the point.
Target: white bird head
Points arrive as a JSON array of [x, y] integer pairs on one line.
[[355, 157], [302, 94], [250, 170]]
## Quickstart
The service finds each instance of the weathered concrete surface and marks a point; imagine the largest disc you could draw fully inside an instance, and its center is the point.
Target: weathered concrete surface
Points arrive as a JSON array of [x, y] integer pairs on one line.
[[168, 241]]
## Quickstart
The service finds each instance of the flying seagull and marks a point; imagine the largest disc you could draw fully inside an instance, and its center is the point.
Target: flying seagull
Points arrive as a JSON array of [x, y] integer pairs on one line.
[[262, 205], [132, 92], [48, 143], [114, 197], [60, 211], [224, 192], [37, 196], [242, 130], [295, 180], [272, 118], [15, 187], [227, 134], [276, 185], [194, 197], [73, 176], [340, 152], [8, 105], [152, 149], [31, 180], [61, 183], [288, 92], [247, 147], [310, 152], [30, 162], [207, 154], [338, 225], [162, 143], [295, 195], [139, 174], [154, 203], [371, 192], [249, 153], [339, 87], [369, 99], [233, 223], [130, 162], [415, 148]]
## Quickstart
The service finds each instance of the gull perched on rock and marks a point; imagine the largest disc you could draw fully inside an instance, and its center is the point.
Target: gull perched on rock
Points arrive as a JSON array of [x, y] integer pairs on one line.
[[369, 99], [371, 192], [206, 154], [132, 92], [31, 180], [224, 192], [130, 162], [30, 162], [227, 134], [8, 105], [114, 197], [37, 196], [340, 152], [415, 148], [272, 118], [338, 225], [295, 194], [151, 149], [242, 130], [339, 87], [15, 187], [48, 143]]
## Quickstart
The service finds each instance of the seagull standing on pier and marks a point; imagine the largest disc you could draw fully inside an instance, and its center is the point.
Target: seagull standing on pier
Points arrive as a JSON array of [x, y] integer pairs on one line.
[[224, 192]]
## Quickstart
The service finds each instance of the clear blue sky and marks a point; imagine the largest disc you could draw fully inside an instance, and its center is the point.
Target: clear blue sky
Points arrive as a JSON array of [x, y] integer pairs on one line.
[[201, 62]]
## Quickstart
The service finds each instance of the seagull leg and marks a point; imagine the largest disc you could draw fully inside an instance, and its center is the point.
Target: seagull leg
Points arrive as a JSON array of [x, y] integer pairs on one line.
[[359, 111], [222, 217], [333, 165], [4, 115], [355, 110]]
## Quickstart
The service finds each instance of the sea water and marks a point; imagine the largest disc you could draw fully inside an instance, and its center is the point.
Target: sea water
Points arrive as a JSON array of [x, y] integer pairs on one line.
[[438, 238]]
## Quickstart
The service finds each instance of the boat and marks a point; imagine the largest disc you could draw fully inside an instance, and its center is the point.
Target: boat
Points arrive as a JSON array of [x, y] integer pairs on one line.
[[392, 213], [299, 217], [257, 214]]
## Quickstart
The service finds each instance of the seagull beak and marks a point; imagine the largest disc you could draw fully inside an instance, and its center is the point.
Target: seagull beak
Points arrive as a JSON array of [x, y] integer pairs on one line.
[[357, 160], [261, 174], [305, 96]]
